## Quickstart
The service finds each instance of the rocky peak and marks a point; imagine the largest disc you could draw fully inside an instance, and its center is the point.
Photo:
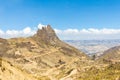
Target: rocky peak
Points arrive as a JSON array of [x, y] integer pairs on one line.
[[47, 34]]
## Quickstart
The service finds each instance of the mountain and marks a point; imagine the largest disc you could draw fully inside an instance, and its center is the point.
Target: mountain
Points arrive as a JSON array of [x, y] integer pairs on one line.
[[43, 54], [47, 35]]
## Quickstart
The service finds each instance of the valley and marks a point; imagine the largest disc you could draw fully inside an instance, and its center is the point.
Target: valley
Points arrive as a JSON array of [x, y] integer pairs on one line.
[[94, 47]]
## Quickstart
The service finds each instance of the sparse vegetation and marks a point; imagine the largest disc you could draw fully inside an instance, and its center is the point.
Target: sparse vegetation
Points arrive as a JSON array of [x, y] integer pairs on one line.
[[112, 72]]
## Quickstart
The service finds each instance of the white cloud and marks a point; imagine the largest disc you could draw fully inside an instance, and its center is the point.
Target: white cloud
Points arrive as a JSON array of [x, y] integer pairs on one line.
[[90, 33], [17, 33], [102, 31], [27, 30], [58, 31], [12, 32], [68, 34], [41, 25], [71, 31], [1, 32]]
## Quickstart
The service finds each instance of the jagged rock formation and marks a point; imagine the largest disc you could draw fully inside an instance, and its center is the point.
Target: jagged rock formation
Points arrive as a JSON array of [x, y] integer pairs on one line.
[[47, 35]]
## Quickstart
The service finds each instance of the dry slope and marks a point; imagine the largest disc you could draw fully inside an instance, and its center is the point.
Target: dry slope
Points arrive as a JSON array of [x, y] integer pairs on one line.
[[43, 55]]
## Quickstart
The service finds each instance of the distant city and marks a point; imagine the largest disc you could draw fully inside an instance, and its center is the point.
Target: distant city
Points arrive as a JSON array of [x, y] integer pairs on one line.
[[92, 47]]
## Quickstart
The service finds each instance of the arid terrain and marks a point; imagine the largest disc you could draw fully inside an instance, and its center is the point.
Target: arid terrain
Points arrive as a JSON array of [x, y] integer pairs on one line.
[[44, 56]]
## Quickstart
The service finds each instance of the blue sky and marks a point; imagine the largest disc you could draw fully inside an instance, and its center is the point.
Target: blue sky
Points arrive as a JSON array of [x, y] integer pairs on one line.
[[60, 14]]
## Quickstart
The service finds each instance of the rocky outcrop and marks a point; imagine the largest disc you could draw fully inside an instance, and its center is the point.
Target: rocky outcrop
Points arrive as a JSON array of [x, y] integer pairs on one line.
[[47, 35]]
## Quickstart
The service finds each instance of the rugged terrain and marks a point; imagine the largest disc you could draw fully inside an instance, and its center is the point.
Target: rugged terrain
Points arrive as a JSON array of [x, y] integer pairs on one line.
[[44, 56]]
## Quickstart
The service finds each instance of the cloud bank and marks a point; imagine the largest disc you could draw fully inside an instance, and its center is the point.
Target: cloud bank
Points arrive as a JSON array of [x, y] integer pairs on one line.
[[68, 34], [88, 34], [17, 33]]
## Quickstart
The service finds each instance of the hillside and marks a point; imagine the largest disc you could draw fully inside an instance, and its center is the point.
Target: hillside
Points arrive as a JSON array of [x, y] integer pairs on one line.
[[42, 54], [106, 67], [11, 72], [112, 55]]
